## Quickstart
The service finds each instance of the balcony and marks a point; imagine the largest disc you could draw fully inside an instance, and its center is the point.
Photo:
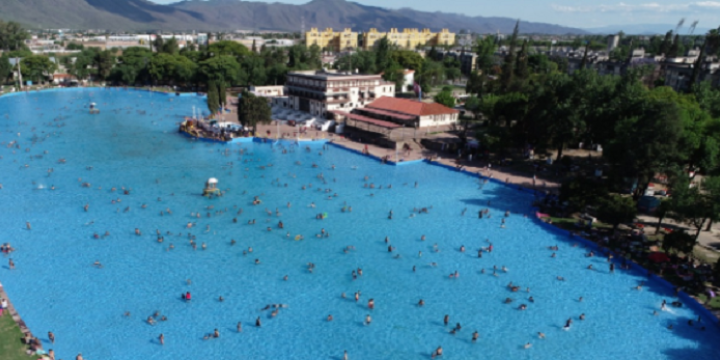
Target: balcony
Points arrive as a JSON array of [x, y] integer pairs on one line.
[[339, 100]]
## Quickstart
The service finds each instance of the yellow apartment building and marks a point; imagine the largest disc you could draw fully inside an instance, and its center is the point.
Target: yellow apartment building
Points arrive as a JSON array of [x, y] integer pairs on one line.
[[328, 39], [409, 38]]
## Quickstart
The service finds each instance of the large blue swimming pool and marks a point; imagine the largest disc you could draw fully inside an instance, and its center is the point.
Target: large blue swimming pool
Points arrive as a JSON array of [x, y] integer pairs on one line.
[[133, 144]]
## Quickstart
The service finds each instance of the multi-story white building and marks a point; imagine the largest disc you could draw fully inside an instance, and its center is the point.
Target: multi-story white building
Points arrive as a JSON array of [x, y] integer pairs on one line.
[[322, 91]]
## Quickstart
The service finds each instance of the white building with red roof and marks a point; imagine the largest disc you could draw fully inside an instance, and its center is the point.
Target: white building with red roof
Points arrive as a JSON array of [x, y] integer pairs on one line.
[[417, 113], [395, 118]]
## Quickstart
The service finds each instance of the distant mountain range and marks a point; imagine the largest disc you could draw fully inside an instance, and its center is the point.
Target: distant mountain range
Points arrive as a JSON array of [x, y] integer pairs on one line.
[[645, 29], [228, 15]]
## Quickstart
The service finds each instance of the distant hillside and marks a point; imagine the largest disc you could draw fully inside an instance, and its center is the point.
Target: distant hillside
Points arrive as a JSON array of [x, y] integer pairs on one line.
[[98, 14], [226, 15]]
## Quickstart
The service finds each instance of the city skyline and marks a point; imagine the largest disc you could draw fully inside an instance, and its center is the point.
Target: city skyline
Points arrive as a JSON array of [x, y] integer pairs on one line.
[[584, 14]]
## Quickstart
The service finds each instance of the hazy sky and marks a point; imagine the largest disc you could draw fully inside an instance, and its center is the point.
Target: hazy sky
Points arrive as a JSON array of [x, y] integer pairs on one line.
[[577, 13]]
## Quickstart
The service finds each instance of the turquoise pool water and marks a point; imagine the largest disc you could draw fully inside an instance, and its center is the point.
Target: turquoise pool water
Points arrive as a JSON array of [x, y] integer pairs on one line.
[[133, 144]]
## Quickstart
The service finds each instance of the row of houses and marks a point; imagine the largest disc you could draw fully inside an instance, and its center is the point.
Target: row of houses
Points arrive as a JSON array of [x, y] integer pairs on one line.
[[406, 39], [673, 72]]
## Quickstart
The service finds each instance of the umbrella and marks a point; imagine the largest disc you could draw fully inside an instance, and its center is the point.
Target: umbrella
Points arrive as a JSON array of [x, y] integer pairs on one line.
[[659, 257]]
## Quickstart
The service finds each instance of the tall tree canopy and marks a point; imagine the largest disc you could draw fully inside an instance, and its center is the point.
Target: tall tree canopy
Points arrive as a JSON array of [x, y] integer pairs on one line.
[[253, 110]]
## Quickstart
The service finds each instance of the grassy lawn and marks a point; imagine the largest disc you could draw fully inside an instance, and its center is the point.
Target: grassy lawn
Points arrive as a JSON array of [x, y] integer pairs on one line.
[[564, 223], [11, 346], [569, 224], [714, 303]]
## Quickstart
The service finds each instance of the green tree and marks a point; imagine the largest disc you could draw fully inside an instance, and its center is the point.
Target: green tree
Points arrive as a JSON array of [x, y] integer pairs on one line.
[[472, 104], [453, 73], [615, 210], [408, 59], [711, 191], [185, 70], [710, 46], [661, 212], [74, 46], [521, 63], [581, 192], [433, 74], [485, 49], [213, 98], [12, 36], [158, 43], [314, 57], [162, 67], [395, 74], [132, 65], [222, 94], [81, 65], [708, 98], [674, 47], [475, 84], [37, 68], [382, 54], [363, 61], [689, 205], [645, 143], [5, 68], [220, 68], [253, 71], [508, 68], [554, 119], [229, 48], [253, 110], [445, 98], [171, 46], [103, 63], [679, 241]]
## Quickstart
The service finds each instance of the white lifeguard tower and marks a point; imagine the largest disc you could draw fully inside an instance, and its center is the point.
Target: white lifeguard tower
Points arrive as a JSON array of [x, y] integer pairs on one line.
[[211, 188]]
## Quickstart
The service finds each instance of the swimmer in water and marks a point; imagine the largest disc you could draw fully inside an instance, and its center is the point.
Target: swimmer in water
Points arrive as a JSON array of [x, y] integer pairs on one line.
[[541, 335], [439, 351]]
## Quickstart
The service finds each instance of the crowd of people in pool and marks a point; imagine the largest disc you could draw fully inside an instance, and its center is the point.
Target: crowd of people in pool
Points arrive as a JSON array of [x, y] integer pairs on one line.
[[328, 193]]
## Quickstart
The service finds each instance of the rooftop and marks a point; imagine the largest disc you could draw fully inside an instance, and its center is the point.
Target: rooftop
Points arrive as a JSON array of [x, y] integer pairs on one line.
[[410, 107], [326, 74]]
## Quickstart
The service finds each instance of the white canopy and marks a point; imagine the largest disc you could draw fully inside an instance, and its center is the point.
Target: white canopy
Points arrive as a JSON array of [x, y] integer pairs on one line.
[[212, 181]]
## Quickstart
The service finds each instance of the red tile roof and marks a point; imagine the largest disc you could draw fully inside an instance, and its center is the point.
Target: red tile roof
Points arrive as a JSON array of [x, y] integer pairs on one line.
[[410, 107], [388, 113]]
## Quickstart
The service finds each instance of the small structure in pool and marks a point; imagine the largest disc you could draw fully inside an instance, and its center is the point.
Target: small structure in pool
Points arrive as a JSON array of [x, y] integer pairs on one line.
[[211, 188], [94, 109]]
